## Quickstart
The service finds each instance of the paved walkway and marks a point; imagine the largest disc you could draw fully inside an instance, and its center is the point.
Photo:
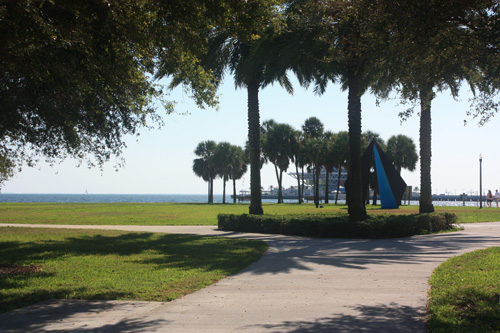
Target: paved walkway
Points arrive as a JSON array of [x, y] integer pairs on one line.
[[299, 285]]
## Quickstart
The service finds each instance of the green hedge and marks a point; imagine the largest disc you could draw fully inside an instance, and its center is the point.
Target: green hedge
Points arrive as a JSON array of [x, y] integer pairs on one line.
[[339, 226]]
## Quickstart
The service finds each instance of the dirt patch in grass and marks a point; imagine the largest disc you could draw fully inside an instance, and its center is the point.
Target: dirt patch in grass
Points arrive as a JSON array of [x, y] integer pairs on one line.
[[18, 270]]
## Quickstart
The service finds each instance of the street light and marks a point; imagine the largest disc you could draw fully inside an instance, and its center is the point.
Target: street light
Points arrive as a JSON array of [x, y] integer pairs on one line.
[[480, 180]]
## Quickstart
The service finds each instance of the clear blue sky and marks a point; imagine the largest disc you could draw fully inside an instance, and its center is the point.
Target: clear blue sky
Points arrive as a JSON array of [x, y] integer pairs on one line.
[[160, 161]]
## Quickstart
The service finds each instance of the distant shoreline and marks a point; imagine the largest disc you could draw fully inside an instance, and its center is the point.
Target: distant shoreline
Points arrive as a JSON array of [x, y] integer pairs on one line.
[[163, 198]]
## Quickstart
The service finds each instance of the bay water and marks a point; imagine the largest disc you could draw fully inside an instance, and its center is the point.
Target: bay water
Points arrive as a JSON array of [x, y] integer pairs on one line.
[[156, 198]]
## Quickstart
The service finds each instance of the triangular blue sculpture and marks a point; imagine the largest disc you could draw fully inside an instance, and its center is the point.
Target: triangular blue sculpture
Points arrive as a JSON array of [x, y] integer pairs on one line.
[[391, 186]]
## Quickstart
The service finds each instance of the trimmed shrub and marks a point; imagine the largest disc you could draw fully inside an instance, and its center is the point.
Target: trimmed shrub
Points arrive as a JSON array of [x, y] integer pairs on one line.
[[338, 226]]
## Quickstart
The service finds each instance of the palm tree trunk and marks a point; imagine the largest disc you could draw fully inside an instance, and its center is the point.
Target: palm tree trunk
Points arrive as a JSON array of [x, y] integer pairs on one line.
[[355, 202], [316, 186], [426, 96], [254, 143], [314, 183], [398, 169], [375, 195], [278, 180], [211, 197], [209, 187], [224, 179], [298, 183], [280, 187], [368, 196], [303, 184], [326, 186], [234, 190], [338, 185]]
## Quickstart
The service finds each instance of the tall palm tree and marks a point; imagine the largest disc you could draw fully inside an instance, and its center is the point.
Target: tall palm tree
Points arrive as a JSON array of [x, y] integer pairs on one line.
[[329, 159], [278, 144], [313, 128], [402, 152], [347, 37], [200, 169], [204, 166], [299, 161], [247, 52], [315, 150], [437, 46], [239, 164], [340, 150], [223, 162], [367, 138]]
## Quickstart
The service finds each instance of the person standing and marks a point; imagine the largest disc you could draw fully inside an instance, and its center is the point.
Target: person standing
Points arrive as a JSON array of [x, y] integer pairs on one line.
[[496, 197], [489, 198]]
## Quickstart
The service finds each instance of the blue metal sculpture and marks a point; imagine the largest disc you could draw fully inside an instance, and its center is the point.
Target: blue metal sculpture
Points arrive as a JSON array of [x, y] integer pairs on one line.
[[391, 186]]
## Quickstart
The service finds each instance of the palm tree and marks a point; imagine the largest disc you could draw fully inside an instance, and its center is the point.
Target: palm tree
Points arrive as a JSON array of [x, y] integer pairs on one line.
[[344, 41], [315, 150], [246, 51], [313, 129], [200, 169], [204, 166], [437, 46], [402, 152], [239, 163], [278, 145], [329, 159], [223, 162], [299, 161], [367, 138], [340, 150]]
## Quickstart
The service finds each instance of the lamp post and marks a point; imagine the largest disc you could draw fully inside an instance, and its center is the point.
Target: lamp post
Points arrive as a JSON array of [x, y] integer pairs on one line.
[[480, 181]]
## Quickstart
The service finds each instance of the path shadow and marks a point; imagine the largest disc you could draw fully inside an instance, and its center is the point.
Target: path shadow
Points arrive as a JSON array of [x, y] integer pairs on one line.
[[38, 317], [290, 253], [378, 318]]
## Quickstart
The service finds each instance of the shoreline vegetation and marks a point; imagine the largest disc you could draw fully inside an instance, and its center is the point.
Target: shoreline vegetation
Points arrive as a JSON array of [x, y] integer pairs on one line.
[[194, 213]]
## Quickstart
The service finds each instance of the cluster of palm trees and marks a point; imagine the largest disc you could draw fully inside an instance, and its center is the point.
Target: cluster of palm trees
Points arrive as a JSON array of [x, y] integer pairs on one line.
[[222, 160], [314, 149], [311, 149], [413, 48]]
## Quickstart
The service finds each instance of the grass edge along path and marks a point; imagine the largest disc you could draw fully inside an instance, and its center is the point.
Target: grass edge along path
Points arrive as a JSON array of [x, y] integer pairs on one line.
[[113, 265], [191, 213], [465, 293]]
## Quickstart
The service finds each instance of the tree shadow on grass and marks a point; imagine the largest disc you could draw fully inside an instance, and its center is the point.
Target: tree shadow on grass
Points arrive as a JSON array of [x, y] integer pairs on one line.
[[175, 247], [159, 252]]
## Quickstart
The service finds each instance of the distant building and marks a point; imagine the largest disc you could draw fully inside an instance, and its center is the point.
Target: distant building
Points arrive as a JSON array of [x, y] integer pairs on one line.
[[333, 180]]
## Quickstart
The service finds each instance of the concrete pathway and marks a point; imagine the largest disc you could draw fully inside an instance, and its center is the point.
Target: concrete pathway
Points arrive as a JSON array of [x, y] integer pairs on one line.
[[299, 285]]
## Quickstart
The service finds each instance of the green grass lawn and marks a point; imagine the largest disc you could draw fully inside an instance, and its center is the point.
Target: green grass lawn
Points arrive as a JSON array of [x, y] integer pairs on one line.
[[91, 264], [465, 293], [190, 213]]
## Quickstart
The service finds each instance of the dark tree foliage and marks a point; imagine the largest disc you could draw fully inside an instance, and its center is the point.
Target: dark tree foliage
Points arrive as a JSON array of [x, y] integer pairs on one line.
[[417, 47], [341, 41], [73, 78], [77, 76], [437, 46]]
